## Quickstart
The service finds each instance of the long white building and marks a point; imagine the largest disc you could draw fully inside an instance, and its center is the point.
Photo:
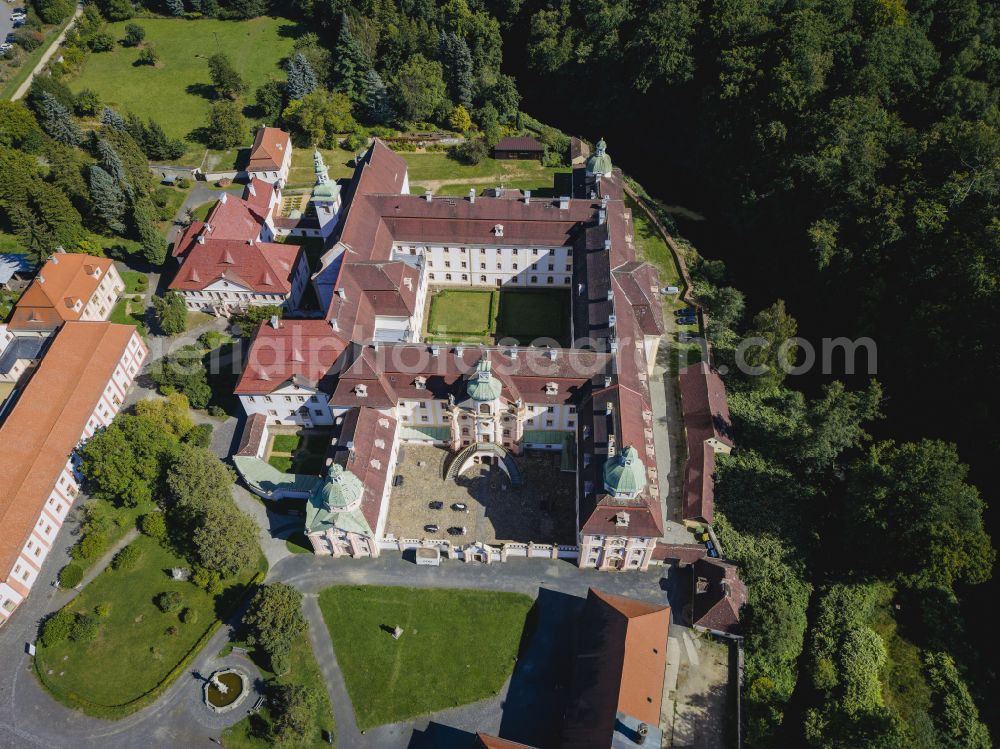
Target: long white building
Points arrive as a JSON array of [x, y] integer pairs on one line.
[[53, 415]]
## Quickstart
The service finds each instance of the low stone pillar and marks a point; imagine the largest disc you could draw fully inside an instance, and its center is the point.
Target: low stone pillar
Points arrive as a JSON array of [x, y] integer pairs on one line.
[[555, 552]]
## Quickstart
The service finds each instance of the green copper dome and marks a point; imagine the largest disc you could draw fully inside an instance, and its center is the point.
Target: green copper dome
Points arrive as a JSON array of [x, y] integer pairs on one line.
[[340, 490], [325, 189], [483, 386], [599, 162], [624, 474]]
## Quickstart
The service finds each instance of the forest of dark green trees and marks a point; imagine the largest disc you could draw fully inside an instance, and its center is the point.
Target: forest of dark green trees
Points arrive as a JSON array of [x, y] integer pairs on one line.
[[838, 164]]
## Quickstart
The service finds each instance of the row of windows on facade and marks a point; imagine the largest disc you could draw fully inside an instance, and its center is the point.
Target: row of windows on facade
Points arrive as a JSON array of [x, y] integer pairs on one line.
[[483, 279], [238, 295], [288, 399], [513, 250], [482, 266]]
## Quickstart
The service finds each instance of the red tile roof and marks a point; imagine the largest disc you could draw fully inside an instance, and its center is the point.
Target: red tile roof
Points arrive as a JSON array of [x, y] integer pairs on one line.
[[706, 417], [620, 666], [65, 279], [518, 143], [44, 426], [364, 447], [301, 349], [719, 595], [269, 148], [262, 267], [233, 218]]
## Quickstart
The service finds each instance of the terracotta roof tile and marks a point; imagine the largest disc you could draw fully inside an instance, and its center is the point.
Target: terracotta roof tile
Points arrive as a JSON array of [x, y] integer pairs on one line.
[[262, 267], [719, 596], [64, 279], [48, 419], [305, 349], [269, 146]]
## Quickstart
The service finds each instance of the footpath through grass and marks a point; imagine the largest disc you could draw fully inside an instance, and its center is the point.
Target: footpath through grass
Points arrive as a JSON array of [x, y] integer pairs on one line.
[[177, 92], [457, 647], [137, 647], [253, 732]]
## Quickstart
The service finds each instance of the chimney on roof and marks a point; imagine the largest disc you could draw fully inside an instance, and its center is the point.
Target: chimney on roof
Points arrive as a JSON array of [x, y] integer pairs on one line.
[[527, 197], [208, 226], [375, 345], [275, 322], [201, 239], [564, 202], [579, 289], [428, 196], [223, 197], [53, 259], [60, 250], [607, 245], [611, 295], [498, 191], [602, 216], [641, 732], [434, 351], [553, 354], [472, 194], [341, 293], [251, 189], [513, 353], [604, 201], [607, 381], [334, 325], [41, 278]]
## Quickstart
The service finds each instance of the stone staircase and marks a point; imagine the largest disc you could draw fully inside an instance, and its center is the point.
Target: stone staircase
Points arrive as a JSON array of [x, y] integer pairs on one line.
[[485, 448]]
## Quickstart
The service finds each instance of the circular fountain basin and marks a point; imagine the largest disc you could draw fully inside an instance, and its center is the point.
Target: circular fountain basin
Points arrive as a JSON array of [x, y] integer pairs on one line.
[[237, 686]]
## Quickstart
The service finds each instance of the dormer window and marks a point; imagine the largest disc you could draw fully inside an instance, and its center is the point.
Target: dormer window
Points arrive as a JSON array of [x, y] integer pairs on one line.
[[498, 230], [361, 391], [621, 519], [551, 388], [420, 382]]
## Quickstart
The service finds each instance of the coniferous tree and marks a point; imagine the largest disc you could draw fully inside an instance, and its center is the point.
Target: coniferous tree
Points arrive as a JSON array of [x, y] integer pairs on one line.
[[154, 245], [58, 122], [111, 118], [351, 64], [378, 104], [135, 127], [108, 199], [158, 146], [176, 7], [457, 61], [226, 79], [301, 77], [111, 162]]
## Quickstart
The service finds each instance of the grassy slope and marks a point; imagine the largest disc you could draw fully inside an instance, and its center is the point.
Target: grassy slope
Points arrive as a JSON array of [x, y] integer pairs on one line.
[[439, 662], [251, 732], [438, 166], [175, 93], [133, 651]]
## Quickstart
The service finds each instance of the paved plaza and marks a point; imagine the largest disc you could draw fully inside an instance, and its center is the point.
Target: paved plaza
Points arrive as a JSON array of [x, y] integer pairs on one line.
[[541, 510]]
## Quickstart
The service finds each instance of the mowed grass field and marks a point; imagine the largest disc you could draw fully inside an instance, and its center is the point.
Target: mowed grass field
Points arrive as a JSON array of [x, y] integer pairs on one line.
[[178, 91], [457, 647], [135, 648], [461, 314], [530, 314]]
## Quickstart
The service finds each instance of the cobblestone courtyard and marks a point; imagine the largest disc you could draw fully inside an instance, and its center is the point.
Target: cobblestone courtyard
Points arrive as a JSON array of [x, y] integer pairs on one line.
[[542, 510]]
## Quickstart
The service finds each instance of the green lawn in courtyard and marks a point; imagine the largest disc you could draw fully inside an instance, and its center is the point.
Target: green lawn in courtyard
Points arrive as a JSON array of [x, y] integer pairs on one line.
[[135, 649], [286, 443], [527, 314], [127, 312], [439, 662], [302, 174], [176, 93], [445, 172], [252, 732], [282, 462], [135, 282], [465, 313]]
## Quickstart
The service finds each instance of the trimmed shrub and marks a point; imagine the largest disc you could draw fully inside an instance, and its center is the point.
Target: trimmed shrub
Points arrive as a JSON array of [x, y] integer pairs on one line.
[[70, 576], [57, 627], [102, 610], [154, 525], [189, 616], [208, 580], [84, 628], [127, 558], [89, 546], [168, 601], [217, 411]]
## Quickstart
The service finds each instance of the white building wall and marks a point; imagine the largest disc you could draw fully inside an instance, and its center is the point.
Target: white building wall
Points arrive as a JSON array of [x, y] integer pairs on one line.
[[496, 265], [66, 486], [283, 405], [102, 301]]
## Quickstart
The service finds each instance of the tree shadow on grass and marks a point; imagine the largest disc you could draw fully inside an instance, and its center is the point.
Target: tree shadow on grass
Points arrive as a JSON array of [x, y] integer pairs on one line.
[[204, 90]]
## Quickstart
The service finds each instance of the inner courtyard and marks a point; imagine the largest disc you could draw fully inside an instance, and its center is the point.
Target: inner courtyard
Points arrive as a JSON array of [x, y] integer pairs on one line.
[[541, 510]]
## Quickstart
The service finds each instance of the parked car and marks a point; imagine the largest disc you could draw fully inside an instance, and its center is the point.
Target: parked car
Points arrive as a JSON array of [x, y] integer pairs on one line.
[[687, 321], [685, 312], [670, 290], [15, 16], [398, 481], [435, 505], [431, 528], [460, 507], [5, 47], [456, 530]]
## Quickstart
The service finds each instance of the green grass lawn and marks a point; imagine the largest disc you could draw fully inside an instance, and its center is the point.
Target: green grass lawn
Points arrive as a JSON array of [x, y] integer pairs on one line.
[[301, 173], [458, 646], [527, 314], [201, 212], [176, 92], [134, 281], [462, 312], [133, 651], [286, 443], [252, 732], [282, 462], [652, 247], [297, 543], [127, 312]]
